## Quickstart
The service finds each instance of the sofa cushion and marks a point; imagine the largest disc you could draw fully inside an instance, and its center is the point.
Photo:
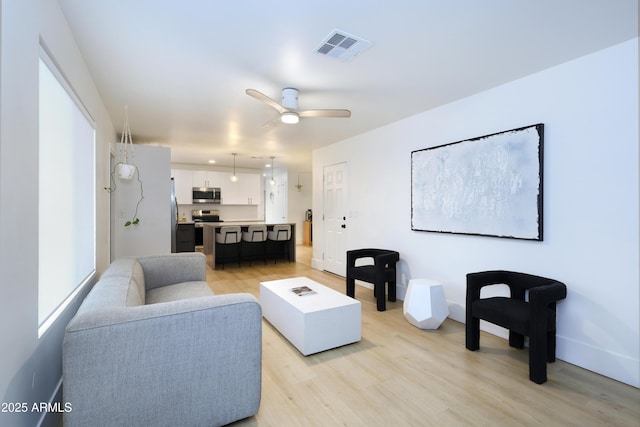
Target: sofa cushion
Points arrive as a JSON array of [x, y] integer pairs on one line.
[[108, 293], [178, 291], [162, 270], [138, 285]]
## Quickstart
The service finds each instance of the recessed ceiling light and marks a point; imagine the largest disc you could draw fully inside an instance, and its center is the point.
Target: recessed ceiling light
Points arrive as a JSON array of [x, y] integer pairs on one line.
[[212, 161]]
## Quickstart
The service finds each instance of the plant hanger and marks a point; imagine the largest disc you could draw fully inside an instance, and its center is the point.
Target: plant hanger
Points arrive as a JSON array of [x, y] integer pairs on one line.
[[126, 168], [126, 154]]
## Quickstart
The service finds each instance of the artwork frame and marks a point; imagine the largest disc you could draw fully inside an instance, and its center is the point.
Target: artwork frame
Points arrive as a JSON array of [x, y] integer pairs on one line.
[[491, 185]]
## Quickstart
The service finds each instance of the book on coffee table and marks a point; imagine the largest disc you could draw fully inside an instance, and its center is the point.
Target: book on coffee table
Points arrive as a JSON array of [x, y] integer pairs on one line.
[[302, 291]]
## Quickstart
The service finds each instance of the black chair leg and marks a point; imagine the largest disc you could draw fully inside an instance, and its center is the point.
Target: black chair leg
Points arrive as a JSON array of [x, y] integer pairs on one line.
[[472, 333], [551, 346], [537, 362], [378, 290], [538, 353], [351, 287], [392, 290], [516, 340], [264, 251], [220, 255]]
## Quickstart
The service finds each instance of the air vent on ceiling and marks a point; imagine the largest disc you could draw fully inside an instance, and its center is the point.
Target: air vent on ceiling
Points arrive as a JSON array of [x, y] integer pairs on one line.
[[342, 45]]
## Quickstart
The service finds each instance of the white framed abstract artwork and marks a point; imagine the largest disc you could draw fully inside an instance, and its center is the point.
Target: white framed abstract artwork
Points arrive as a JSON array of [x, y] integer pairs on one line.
[[489, 186]]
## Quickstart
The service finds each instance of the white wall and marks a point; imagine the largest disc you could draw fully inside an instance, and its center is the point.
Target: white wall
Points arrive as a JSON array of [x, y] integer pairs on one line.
[[590, 110], [152, 235], [276, 196], [30, 368], [299, 201]]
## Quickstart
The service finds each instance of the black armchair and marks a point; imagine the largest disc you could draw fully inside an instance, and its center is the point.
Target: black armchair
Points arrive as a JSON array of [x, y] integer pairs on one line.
[[382, 271], [535, 317]]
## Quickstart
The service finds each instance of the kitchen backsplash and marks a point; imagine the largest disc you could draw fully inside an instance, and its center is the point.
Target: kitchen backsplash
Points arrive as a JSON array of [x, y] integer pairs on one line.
[[227, 213]]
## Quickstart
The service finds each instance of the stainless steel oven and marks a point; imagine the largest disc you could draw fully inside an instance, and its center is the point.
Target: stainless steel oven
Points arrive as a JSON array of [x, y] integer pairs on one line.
[[200, 216]]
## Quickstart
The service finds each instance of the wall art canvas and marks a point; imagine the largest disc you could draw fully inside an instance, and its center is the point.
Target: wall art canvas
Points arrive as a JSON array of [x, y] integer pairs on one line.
[[490, 185]]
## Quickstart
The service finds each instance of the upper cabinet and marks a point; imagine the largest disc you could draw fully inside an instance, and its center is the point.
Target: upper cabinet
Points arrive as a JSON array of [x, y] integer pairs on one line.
[[246, 191], [205, 178]]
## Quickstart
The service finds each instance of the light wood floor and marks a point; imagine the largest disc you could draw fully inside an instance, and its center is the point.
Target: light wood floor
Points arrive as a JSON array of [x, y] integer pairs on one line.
[[399, 375]]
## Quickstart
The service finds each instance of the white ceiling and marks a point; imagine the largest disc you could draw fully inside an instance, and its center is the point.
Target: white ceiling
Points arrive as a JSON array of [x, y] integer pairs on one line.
[[182, 67]]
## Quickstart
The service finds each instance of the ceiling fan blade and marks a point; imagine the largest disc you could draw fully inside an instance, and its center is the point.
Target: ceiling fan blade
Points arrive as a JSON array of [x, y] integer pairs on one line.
[[264, 98], [273, 123], [325, 113]]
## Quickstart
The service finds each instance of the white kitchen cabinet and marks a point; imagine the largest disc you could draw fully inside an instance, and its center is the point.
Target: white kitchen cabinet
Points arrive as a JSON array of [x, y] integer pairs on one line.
[[219, 179], [205, 179], [253, 188], [246, 191]]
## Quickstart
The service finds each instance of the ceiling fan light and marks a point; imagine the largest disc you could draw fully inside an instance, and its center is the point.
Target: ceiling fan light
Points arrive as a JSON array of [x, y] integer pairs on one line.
[[289, 117]]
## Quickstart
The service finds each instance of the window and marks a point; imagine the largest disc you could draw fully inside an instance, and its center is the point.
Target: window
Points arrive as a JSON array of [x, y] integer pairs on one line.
[[66, 225]]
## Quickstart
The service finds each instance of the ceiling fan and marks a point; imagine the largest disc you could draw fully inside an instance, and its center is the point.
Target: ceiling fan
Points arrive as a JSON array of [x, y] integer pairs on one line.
[[288, 109]]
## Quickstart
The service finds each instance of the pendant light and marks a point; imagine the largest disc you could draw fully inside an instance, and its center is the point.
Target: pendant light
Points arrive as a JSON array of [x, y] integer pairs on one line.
[[272, 181], [234, 177]]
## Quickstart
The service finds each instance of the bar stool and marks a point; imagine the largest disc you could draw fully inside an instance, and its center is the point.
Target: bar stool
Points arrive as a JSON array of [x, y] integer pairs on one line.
[[228, 237], [280, 235], [255, 236]]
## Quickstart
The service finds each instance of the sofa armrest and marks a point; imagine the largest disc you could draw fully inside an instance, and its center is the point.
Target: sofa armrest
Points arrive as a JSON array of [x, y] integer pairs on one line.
[[169, 269], [186, 362]]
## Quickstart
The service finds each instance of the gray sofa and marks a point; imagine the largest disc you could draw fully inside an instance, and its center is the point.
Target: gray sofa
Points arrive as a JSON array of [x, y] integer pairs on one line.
[[152, 346]]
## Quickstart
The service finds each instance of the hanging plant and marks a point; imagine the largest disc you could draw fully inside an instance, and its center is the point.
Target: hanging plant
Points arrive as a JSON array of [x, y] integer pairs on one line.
[[125, 167]]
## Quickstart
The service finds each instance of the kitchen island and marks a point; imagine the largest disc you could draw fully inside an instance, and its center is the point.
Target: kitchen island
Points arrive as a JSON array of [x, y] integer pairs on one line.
[[209, 240]]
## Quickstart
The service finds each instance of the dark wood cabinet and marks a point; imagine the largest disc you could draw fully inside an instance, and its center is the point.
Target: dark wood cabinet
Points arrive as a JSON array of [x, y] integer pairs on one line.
[[185, 238]]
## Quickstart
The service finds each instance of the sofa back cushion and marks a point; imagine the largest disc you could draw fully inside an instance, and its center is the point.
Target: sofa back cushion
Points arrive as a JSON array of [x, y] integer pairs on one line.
[[127, 275], [163, 270]]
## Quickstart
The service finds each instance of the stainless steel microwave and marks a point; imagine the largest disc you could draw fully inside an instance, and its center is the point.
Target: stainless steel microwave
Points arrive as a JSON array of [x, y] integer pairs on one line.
[[206, 195]]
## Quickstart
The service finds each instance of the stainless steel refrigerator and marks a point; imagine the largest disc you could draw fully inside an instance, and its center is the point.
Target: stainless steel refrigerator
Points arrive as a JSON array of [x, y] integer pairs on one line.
[[174, 216]]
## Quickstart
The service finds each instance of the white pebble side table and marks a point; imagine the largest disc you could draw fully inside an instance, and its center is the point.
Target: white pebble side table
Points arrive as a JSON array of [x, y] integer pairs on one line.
[[425, 306]]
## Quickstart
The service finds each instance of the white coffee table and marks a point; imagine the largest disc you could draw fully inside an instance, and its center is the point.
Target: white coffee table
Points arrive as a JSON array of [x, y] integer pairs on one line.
[[312, 323]]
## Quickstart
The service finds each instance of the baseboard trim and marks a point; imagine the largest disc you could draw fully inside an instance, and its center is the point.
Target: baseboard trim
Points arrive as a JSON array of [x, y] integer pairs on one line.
[[53, 419], [601, 361]]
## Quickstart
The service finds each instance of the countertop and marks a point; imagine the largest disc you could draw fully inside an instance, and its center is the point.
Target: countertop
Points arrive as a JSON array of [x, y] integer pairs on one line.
[[241, 223]]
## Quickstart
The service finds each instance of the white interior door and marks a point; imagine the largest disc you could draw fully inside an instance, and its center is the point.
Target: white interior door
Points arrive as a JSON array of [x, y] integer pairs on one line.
[[335, 218]]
